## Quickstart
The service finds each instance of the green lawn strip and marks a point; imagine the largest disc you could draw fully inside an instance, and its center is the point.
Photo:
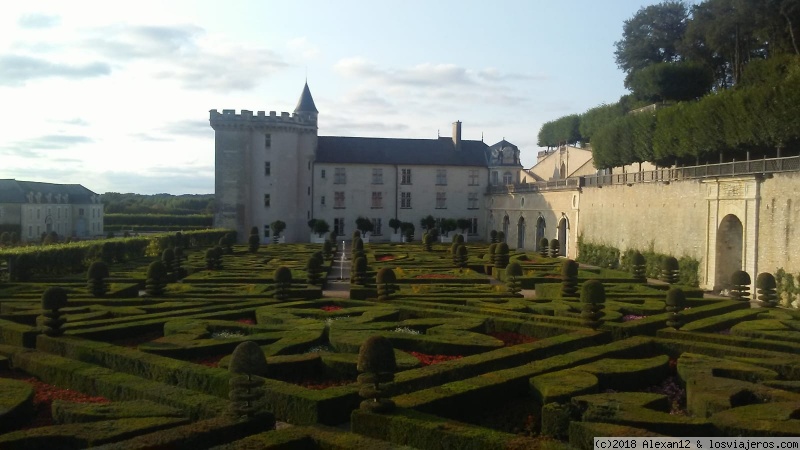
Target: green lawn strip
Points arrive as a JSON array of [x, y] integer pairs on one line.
[[100, 381], [451, 397], [424, 431], [197, 435], [83, 435]]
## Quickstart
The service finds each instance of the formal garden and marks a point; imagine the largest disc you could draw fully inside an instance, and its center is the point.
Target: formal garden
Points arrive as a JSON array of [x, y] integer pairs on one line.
[[191, 341]]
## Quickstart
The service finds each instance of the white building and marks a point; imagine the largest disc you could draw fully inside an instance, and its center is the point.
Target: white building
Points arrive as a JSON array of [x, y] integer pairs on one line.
[[275, 167], [31, 209]]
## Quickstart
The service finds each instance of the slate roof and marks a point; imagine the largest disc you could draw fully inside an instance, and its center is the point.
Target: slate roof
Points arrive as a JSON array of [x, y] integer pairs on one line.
[[366, 150], [502, 144], [306, 102], [13, 191]]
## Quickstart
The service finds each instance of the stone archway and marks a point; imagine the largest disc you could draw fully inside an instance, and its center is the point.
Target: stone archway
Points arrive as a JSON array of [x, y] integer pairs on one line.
[[729, 251], [563, 236], [540, 227], [521, 233], [506, 223]]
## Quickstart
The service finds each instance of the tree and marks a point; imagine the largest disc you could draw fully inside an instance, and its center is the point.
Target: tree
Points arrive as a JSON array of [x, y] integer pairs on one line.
[[447, 225], [408, 231], [767, 289], [740, 285], [246, 393], [593, 297], [376, 365], [283, 282], [277, 228], [569, 278], [385, 280], [653, 35], [394, 224], [96, 278], [53, 299], [157, 276], [463, 225], [680, 81], [675, 303], [513, 272], [321, 227], [364, 225], [428, 223], [254, 240]]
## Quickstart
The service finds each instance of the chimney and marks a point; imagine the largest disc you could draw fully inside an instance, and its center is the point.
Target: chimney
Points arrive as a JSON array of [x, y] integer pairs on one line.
[[457, 134]]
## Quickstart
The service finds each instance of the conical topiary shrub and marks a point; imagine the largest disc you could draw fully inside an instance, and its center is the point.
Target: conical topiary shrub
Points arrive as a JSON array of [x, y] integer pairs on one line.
[[283, 282], [544, 247], [513, 272], [458, 238], [569, 279], [555, 247], [501, 255], [254, 240], [314, 269], [767, 289], [675, 303], [501, 237], [427, 242], [168, 258], [96, 278], [226, 245], [593, 297], [385, 281], [358, 271], [156, 278], [493, 236], [180, 272], [328, 249], [246, 392], [740, 286], [462, 256], [490, 251], [670, 270], [358, 248], [376, 367], [638, 267], [214, 258], [53, 299]]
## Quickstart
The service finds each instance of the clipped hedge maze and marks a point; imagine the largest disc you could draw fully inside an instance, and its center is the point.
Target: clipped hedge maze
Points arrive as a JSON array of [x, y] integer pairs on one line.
[[478, 366]]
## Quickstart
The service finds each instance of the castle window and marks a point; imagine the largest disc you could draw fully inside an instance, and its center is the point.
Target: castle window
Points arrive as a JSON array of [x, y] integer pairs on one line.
[[473, 177], [80, 212], [267, 140], [507, 179], [339, 176], [267, 168], [472, 200], [377, 200], [322, 173], [266, 200], [405, 200], [473, 226], [405, 176], [338, 200], [266, 231], [338, 226], [376, 227], [495, 178], [441, 200], [441, 177], [377, 176], [322, 200]]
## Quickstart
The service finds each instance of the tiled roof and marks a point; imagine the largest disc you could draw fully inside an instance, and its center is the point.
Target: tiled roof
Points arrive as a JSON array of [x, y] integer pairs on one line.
[[365, 150], [13, 191]]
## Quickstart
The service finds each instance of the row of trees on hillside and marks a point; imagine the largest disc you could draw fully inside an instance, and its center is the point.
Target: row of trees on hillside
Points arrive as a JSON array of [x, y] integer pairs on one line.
[[116, 203], [734, 50]]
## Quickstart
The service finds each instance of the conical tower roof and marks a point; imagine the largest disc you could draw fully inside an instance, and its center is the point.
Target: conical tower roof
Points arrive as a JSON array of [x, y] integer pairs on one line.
[[306, 102]]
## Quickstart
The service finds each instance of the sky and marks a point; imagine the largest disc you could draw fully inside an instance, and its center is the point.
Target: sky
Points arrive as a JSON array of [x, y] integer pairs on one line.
[[115, 95]]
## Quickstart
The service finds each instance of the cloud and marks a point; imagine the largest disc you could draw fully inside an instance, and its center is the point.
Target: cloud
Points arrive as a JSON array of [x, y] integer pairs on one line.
[[149, 137], [38, 20], [30, 148], [190, 127], [15, 70], [190, 180], [348, 127], [185, 53], [303, 47]]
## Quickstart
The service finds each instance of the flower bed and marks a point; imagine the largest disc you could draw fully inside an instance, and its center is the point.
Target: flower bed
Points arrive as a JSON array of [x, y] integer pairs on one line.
[[428, 360], [383, 258], [331, 308]]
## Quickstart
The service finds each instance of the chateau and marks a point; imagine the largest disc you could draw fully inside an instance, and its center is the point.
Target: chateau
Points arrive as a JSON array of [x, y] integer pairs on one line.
[[728, 216], [275, 167], [30, 209]]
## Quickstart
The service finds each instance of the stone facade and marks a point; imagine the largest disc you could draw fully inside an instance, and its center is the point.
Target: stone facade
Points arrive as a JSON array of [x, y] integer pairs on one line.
[[35, 208]]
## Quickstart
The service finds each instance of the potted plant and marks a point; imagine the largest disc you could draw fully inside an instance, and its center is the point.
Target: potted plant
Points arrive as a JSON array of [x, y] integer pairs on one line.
[[365, 226], [394, 224], [277, 228]]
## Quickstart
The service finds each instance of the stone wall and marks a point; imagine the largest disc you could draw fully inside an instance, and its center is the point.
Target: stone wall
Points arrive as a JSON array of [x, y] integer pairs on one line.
[[779, 219]]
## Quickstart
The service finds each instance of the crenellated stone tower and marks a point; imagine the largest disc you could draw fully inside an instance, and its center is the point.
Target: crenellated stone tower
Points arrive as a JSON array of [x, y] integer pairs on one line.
[[264, 169]]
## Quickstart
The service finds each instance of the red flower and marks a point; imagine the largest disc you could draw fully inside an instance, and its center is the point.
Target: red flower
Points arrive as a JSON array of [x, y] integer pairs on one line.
[[247, 321], [382, 258], [331, 308], [427, 360]]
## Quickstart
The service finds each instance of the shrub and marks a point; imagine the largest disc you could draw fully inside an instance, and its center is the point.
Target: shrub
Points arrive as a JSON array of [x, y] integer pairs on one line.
[[385, 281], [459, 238], [168, 258], [320, 227], [569, 279], [364, 225], [740, 285], [638, 266], [332, 238], [283, 282], [358, 271], [513, 272], [358, 248], [177, 264], [669, 270], [376, 364], [463, 225], [675, 303], [407, 228], [314, 269], [544, 246], [214, 258], [156, 278], [491, 251], [254, 240], [394, 224], [493, 236], [277, 228], [555, 247], [53, 300], [501, 255], [327, 249], [501, 236], [427, 242], [767, 289], [96, 278], [246, 393], [593, 297], [5, 238], [461, 256]]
